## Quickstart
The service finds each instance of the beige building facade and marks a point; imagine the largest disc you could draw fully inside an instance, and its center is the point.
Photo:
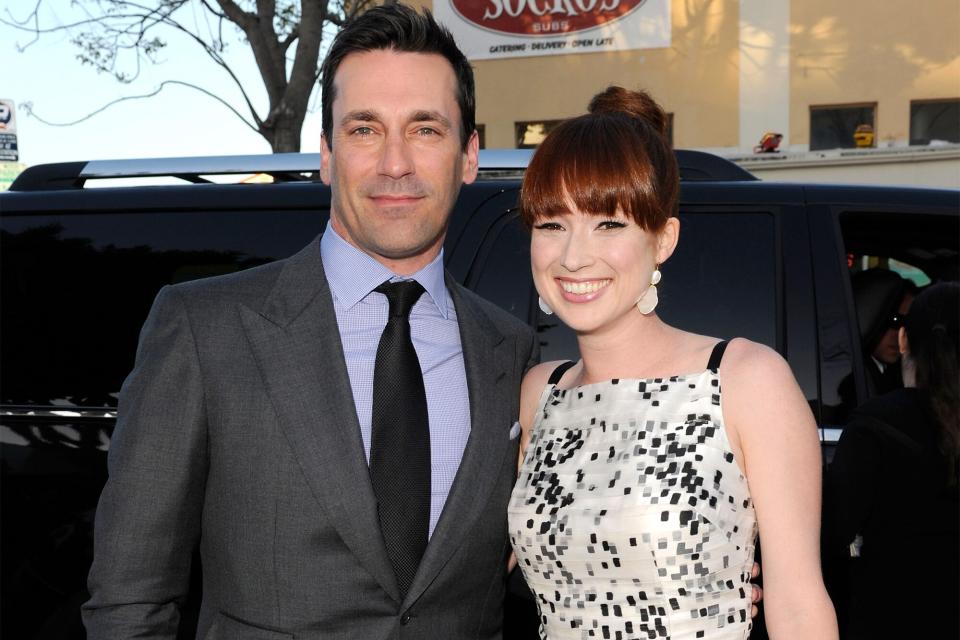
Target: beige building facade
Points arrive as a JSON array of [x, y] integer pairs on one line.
[[820, 73]]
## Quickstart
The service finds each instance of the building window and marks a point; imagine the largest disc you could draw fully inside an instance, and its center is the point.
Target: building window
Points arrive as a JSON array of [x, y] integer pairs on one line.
[[530, 134], [934, 120], [482, 134], [843, 126]]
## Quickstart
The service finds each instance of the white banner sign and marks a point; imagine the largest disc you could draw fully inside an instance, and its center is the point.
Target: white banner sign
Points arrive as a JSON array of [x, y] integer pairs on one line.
[[490, 29]]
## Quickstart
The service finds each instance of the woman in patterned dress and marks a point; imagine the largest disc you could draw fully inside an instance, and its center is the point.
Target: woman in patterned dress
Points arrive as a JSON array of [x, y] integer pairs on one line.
[[643, 481]]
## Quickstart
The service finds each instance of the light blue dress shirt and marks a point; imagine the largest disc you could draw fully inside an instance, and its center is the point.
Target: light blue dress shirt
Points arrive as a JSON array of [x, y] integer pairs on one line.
[[361, 317]]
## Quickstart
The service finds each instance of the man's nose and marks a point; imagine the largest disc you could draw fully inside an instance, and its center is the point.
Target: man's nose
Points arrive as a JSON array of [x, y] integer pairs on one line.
[[395, 160]]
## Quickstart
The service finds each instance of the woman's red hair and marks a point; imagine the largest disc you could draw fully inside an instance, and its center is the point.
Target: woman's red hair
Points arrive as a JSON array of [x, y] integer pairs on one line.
[[615, 158]]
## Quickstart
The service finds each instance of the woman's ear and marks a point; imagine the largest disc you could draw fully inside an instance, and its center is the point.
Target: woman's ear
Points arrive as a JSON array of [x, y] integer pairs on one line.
[[667, 239], [902, 341]]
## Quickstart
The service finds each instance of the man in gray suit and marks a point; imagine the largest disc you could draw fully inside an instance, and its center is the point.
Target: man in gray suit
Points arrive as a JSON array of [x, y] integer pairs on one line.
[[249, 425]]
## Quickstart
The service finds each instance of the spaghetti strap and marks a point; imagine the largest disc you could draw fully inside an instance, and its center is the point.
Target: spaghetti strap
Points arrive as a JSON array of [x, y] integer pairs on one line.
[[558, 372], [716, 355]]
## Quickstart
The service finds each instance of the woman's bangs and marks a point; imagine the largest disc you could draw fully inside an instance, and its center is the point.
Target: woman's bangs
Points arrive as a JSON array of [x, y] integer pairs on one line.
[[599, 166]]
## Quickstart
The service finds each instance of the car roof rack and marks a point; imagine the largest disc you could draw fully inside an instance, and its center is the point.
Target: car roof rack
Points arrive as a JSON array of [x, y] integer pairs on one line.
[[298, 167]]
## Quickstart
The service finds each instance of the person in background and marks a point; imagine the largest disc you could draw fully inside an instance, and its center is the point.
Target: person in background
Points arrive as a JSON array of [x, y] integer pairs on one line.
[[883, 300], [891, 500]]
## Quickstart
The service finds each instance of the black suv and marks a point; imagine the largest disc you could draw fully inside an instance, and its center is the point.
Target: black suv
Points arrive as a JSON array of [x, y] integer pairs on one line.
[[81, 266]]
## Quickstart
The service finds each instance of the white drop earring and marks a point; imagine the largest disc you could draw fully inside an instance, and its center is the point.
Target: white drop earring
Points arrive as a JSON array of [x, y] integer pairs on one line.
[[544, 306], [648, 301]]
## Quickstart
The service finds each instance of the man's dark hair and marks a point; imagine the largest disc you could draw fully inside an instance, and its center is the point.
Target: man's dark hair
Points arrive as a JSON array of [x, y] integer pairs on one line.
[[397, 27]]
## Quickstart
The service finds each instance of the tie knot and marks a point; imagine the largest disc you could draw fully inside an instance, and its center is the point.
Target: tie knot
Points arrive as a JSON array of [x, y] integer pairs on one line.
[[402, 296]]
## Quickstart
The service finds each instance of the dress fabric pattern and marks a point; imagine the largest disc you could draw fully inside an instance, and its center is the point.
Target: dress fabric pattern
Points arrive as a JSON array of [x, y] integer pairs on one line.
[[630, 517]]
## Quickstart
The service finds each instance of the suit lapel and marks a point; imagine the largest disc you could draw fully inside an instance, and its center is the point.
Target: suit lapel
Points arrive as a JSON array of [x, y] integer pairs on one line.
[[487, 359], [297, 346]]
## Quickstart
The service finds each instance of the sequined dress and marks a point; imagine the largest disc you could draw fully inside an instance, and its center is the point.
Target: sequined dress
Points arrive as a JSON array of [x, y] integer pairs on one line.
[[630, 517]]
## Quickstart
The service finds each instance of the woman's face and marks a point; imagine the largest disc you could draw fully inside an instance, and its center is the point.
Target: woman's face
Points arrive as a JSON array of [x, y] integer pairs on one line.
[[592, 269]]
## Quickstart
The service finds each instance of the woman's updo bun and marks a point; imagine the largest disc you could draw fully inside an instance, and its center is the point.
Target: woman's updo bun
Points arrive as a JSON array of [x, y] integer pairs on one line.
[[636, 104], [615, 159]]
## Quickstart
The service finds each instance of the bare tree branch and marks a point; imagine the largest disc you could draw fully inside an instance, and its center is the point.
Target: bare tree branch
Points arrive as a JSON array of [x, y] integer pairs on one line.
[[120, 37], [28, 106]]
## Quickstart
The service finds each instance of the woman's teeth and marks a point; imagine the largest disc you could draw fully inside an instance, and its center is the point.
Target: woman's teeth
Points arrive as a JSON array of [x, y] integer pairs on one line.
[[583, 287]]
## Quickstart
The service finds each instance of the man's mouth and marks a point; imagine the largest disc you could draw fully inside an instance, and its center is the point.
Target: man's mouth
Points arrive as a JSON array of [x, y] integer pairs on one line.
[[395, 198]]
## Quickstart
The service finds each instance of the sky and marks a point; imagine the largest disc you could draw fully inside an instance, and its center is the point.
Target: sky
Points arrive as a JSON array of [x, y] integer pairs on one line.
[[177, 122]]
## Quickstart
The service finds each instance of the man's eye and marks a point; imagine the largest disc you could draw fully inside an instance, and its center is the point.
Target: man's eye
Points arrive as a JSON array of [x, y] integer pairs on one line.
[[362, 131], [426, 131]]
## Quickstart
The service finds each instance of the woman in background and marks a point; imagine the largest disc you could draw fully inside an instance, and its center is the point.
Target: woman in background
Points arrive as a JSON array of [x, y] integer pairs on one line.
[[892, 497], [648, 465]]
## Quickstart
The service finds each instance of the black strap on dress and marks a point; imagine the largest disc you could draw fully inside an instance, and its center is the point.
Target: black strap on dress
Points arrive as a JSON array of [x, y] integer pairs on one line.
[[716, 355], [559, 371]]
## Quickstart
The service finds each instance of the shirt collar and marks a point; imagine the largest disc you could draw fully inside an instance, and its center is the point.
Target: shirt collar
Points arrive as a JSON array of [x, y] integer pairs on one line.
[[352, 274]]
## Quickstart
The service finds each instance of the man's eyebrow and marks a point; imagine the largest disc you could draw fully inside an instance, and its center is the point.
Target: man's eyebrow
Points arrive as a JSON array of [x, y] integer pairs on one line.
[[360, 115], [431, 116]]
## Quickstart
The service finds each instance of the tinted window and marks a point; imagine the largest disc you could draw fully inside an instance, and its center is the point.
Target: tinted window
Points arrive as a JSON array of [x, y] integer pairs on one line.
[[77, 288], [502, 272], [721, 280], [919, 247]]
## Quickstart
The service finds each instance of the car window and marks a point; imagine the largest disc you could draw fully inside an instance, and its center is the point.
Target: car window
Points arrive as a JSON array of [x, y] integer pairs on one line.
[[501, 273], [918, 247], [77, 288]]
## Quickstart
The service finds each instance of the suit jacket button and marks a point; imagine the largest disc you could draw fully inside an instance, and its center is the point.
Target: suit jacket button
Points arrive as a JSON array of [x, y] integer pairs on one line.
[[404, 619]]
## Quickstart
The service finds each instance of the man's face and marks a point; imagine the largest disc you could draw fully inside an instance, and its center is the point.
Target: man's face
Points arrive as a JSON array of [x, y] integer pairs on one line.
[[887, 350], [397, 161]]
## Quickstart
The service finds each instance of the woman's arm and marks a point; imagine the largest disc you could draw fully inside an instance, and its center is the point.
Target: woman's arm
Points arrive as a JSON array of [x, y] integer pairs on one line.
[[773, 431]]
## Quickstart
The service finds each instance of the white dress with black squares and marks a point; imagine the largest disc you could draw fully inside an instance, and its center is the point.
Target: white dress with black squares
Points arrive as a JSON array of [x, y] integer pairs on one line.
[[630, 517]]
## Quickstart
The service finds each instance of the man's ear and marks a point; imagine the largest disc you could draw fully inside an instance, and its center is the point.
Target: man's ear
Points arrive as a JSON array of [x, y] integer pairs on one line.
[[471, 158], [667, 239], [324, 160], [902, 341]]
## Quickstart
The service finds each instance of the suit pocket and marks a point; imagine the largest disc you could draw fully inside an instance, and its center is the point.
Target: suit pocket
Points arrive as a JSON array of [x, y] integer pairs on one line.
[[227, 627]]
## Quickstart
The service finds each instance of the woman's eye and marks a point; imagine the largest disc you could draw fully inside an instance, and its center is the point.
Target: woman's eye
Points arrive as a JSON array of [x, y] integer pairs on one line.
[[548, 226], [611, 224]]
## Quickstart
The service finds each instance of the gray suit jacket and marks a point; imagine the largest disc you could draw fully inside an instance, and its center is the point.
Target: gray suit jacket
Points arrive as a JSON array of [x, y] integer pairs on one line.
[[237, 432]]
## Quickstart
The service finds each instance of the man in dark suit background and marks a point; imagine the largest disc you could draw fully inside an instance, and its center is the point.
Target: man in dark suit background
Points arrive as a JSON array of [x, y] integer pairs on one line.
[[254, 424], [882, 300]]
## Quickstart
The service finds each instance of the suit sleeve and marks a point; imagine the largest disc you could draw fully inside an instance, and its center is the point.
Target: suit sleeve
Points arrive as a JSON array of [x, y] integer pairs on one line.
[[148, 519]]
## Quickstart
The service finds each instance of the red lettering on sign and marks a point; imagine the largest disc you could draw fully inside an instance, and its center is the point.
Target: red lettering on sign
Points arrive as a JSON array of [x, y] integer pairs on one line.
[[543, 17]]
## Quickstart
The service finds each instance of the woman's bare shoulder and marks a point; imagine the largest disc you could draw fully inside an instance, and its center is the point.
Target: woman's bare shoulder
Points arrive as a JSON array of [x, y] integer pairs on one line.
[[536, 377], [748, 362]]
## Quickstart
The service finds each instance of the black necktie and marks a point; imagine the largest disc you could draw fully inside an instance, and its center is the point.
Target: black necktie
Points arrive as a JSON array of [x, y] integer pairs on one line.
[[400, 440]]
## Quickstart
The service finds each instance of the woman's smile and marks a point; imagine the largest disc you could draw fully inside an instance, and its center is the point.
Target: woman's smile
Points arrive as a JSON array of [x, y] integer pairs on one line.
[[582, 290]]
